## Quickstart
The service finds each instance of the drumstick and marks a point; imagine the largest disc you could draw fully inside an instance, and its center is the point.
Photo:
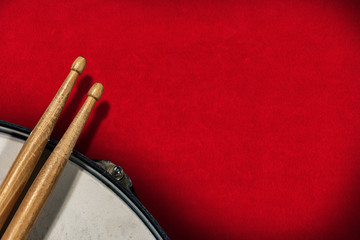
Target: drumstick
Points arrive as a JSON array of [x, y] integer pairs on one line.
[[43, 184], [30, 153]]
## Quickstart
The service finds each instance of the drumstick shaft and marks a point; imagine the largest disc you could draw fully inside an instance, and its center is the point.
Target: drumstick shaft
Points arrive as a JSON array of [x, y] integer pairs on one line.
[[43, 184], [30, 153]]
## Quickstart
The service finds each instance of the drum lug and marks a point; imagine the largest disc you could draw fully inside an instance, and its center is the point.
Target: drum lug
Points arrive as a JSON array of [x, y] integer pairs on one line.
[[116, 172]]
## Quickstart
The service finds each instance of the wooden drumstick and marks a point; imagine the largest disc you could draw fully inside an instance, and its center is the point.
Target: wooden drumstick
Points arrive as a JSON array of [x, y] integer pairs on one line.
[[43, 184], [30, 153]]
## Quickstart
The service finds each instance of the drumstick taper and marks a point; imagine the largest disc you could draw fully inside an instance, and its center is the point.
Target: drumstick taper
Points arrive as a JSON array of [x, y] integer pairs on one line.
[[30, 153], [40, 190]]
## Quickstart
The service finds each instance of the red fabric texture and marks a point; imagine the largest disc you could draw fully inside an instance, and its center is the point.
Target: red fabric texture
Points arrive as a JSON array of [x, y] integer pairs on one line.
[[234, 119]]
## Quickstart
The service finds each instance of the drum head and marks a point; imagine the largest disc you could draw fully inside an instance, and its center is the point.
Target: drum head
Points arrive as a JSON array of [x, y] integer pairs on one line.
[[87, 202]]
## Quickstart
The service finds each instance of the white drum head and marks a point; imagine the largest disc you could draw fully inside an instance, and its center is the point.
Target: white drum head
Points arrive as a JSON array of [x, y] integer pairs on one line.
[[86, 203]]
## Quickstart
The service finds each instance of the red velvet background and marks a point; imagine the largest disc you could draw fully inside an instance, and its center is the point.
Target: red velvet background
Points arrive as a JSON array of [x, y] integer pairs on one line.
[[234, 119]]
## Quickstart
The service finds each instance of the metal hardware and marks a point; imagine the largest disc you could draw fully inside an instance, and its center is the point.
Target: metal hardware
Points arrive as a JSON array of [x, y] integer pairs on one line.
[[118, 173]]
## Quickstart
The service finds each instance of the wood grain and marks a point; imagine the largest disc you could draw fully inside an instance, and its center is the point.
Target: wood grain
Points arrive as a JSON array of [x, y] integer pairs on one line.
[[44, 183], [30, 153]]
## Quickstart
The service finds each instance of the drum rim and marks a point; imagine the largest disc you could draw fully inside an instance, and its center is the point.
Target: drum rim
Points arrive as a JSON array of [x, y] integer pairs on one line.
[[76, 157]]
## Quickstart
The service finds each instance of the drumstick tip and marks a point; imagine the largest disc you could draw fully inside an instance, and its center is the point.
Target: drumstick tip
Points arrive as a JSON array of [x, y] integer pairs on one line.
[[96, 91], [79, 64]]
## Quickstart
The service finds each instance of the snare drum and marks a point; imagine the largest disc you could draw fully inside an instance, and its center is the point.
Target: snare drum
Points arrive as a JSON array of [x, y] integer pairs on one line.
[[88, 201]]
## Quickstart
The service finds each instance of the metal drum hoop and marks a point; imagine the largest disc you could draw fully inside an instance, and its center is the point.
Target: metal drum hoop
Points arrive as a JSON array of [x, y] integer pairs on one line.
[[100, 173]]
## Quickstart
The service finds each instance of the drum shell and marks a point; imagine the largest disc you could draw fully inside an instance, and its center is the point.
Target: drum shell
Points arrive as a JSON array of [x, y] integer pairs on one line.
[[81, 167]]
